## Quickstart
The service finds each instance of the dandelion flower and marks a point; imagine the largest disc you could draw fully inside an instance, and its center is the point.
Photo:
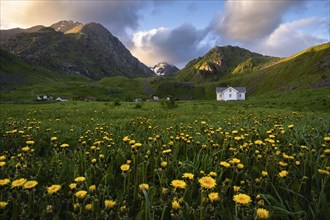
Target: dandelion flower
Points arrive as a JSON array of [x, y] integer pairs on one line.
[[213, 196], [53, 138], [18, 183], [213, 174], [324, 172], [108, 204], [29, 142], [175, 204], [283, 173], [92, 188], [124, 167], [178, 184], [53, 189], [81, 194], [262, 213], [2, 157], [3, 204], [25, 149], [30, 184], [89, 207], [73, 186], [225, 164], [264, 173], [144, 186], [4, 182], [188, 176], [163, 164], [207, 182], [242, 199], [80, 179], [236, 188], [64, 145], [2, 163]]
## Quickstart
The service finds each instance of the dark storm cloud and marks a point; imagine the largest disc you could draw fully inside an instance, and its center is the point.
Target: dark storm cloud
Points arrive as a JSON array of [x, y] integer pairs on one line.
[[175, 46]]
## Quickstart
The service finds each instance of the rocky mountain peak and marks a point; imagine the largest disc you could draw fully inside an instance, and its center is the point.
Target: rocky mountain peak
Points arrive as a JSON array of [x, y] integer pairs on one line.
[[75, 48], [164, 68]]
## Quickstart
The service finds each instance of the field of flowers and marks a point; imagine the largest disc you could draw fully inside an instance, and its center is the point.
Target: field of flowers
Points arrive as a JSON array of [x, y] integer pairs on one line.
[[201, 160]]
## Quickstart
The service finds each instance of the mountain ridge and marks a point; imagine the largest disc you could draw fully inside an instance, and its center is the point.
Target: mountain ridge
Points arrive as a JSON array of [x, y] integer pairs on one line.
[[90, 51]]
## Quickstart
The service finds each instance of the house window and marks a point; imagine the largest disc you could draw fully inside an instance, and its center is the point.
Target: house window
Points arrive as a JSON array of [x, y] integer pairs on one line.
[[229, 95], [229, 90], [240, 95], [220, 95]]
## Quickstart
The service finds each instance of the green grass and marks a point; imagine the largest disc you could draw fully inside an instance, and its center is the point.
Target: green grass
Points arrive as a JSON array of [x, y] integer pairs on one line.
[[200, 135]]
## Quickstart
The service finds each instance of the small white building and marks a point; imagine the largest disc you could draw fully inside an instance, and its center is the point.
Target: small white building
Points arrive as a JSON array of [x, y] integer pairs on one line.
[[230, 93]]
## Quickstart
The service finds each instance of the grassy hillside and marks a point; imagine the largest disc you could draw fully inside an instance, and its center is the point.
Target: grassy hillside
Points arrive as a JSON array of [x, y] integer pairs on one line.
[[307, 70]]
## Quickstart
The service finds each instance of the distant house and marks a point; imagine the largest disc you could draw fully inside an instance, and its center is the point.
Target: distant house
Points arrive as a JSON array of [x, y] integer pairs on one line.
[[44, 98], [155, 98], [230, 93], [61, 99]]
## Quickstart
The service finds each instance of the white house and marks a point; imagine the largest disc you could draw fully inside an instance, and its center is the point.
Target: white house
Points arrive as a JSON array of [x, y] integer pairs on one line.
[[230, 93]]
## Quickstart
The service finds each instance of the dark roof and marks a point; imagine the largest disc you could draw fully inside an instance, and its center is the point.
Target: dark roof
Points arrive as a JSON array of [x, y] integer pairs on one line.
[[239, 89]]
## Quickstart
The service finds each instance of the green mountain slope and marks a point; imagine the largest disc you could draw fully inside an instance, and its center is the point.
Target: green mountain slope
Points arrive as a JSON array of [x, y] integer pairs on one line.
[[220, 62]]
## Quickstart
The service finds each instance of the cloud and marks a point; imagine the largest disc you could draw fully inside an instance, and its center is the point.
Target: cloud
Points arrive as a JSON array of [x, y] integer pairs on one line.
[[175, 46], [290, 38], [247, 20], [115, 15]]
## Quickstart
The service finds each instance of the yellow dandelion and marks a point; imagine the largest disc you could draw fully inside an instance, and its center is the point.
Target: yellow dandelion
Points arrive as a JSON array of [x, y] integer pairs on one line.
[[225, 164], [242, 199], [2, 157], [93, 160], [144, 186], [89, 207], [175, 204], [80, 179], [327, 139], [124, 167], [167, 151], [2, 163], [290, 126], [283, 173], [262, 213], [213, 174], [25, 149], [81, 194], [4, 182], [53, 189], [30, 184], [92, 188], [207, 182], [53, 138], [240, 166], [30, 142], [73, 186], [3, 204], [64, 145], [264, 173], [213, 196], [163, 164], [108, 204], [188, 176], [324, 172], [236, 188], [178, 184], [18, 183]]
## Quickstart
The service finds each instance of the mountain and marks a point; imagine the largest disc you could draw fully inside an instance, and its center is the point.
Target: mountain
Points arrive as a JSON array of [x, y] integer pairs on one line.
[[221, 61], [74, 48], [164, 68]]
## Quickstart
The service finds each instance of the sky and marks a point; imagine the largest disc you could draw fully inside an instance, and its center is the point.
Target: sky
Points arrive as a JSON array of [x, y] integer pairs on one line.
[[178, 31]]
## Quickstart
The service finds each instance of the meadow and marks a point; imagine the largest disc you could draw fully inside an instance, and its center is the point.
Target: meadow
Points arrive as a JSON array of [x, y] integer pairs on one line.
[[200, 160]]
